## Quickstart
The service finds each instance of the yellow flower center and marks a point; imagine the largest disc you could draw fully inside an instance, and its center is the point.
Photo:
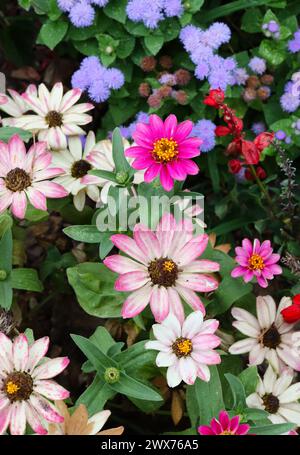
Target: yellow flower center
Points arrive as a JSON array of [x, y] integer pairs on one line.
[[165, 150], [182, 347], [11, 388], [226, 433], [256, 262], [169, 266]]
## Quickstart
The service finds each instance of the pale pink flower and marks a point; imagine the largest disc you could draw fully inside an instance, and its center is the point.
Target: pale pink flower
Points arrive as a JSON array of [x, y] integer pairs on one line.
[[224, 426], [187, 348], [26, 175], [16, 105], [56, 115], [163, 267], [268, 336], [257, 261], [278, 396], [26, 385], [165, 149]]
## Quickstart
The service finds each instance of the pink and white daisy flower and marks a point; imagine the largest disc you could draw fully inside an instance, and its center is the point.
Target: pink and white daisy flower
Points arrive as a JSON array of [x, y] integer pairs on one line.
[[186, 348], [56, 115], [163, 267], [278, 396], [268, 336], [16, 105], [165, 149], [257, 261], [26, 385], [224, 426], [26, 175]]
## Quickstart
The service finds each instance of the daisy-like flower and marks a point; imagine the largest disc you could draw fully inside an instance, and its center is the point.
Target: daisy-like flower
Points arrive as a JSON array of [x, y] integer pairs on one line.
[[165, 149], [224, 426], [26, 175], [79, 422], [257, 260], [269, 336], [16, 105], [278, 396], [186, 348], [56, 115], [163, 267], [26, 385]]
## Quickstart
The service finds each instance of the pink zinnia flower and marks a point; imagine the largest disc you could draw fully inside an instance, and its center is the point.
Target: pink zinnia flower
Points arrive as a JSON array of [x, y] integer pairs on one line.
[[25, 380], [26, 175], [165, 149], [224, 426], [163, 268], [186, 348], [257, 261]]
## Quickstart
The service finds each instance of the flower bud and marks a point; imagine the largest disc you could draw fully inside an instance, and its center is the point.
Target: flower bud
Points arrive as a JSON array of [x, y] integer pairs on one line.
[[111, 375]]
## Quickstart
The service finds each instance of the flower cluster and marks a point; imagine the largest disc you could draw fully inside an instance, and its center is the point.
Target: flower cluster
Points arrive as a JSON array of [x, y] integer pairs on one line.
[[290, 100], [151, 12], [205, 130], [202, 46], [81, 12], [271, 29], [97, 80], [294, 44], [224, 425], [258, 88]]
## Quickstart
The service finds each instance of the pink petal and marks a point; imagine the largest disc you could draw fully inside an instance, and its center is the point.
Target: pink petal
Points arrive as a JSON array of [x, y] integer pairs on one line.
[[70, 98], [34, 419], [147, 241], [157, 126], [205, 430], [206, 341], [5, 419], [183, 130], [142, 163], [51, 390], [136, 151], [51, 189], [45, 409], [198, 282], [247, 245], [36, 352], [20, 352], [131, 281], [238, 271], [243, 429], [37, 199], [152, 172], [189, 167], [17, 418], [202, 266], [129, 246], [51, 368], [224, 420], [191, 298], [176, 171], [165, 179], [272, 259], [17, 152], [122, 264], [191, 250], [176, 306], [41, 161], [206, 357], [136, 302], [170, 126], [159, 303], [234, 424]]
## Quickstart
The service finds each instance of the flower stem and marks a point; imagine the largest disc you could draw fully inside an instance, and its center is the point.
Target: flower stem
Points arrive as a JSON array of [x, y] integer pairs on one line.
[[263, 190]]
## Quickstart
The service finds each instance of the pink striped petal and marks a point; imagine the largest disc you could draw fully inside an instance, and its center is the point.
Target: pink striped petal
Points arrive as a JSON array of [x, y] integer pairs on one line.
[[70, 98], [5, 419], [198, 282], [17, 152], [136, 302], [17, 418], [20, 352], [208, 357], [5, 200], [51, 368], [51, 390], [183, 130], [147, 241], [152, 172], [159, 303], [202, 266], [34, 419], [176, 306], [191, 250], [170, 126], [34, 103], [131, 281], [37, 199], [129, 246], [51, 189], [191, 298], [122, 264], [45, 409], [205, 341], [188, 370], [36, 352], [56, 139]]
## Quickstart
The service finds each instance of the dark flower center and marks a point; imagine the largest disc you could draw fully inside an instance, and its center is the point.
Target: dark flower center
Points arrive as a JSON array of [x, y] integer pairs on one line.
[[271, 338], [163, 272], [54, 118], [80, 169], [271, 403], [17, 180], [182, 347], [18, 386]]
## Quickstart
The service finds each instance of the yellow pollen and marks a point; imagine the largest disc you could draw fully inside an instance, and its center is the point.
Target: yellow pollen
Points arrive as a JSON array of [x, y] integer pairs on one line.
[[256, 262], [184, 346], [168, 266], [165, 150], [226, 433], [11, 388]]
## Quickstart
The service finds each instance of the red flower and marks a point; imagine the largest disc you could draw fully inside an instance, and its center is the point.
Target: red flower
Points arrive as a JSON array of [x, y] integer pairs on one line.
[[250, 152], [215, 98], [261, 173], [263, 140], [296, 299], [249, 175], [291, 314], [234, 147], [234, 166]]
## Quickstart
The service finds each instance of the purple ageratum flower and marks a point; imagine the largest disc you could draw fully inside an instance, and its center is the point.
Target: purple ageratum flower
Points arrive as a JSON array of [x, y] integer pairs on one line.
[[172, 8], [66, 5], [294, 44], [257, 65], [258, 127], [99, 2], [202, 71], [280, 135], [98, 91], [273, 27], [190, 36], [241, 76], [114, 78], [127, 131], [217, 34], [142, 117], [151, 12], [205, 130], [289, 102], [82, 14]]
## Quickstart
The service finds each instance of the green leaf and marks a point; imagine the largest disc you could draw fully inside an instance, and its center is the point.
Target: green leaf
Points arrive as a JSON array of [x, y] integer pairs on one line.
[[6, 223], [272, 52], [106, 245], [53, 33], [255, 414], [99, 360], [7, 132], [119, 158], [136, 357], [272, 429], [96, 396], [126, 46], [84, 233], [87, 47], [252, 20], [26, 279], [25, 4], [195, 5], [116, 9], [204, 400], [133, 388], [238, 391], [231, 7], [154, 43], [249, 379], [107, 175], [93, 284]]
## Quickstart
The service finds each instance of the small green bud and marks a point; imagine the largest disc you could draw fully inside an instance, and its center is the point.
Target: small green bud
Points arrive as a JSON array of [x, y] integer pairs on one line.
[[187, 5], [111, 375], [122, 177], [3, 275], [109, 50]]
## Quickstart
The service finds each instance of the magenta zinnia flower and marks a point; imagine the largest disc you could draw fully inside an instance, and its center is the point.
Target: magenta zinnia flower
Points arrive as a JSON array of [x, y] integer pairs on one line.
[[26, 385], [257, 261], [26, 175], [163, 267], [165, 149], [224, 426]]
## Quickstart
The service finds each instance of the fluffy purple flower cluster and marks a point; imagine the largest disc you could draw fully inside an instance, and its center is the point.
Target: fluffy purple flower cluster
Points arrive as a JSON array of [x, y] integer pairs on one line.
[[271, 29], [258, 127], [97, 80], [294, 44], [81, 12], [202, 45], [257, 65], [205, 130], [151, 12], [127, 131], [290, 100]]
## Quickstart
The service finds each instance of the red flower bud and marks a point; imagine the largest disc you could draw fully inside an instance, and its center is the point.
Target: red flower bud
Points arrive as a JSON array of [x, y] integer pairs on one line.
[[291, 314], [250, 152], [234, 166], [263, 140], [296, 299], [222, 131], [234, 147], [215, 98], [261, 173], [248, 175]]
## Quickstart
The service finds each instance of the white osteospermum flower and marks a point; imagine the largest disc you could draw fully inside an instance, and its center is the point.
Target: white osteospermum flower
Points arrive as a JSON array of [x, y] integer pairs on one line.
[[56, 115], [269, 336], [26, 385], [277, 396], [102, 158], [16, 105], [186, 349]]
